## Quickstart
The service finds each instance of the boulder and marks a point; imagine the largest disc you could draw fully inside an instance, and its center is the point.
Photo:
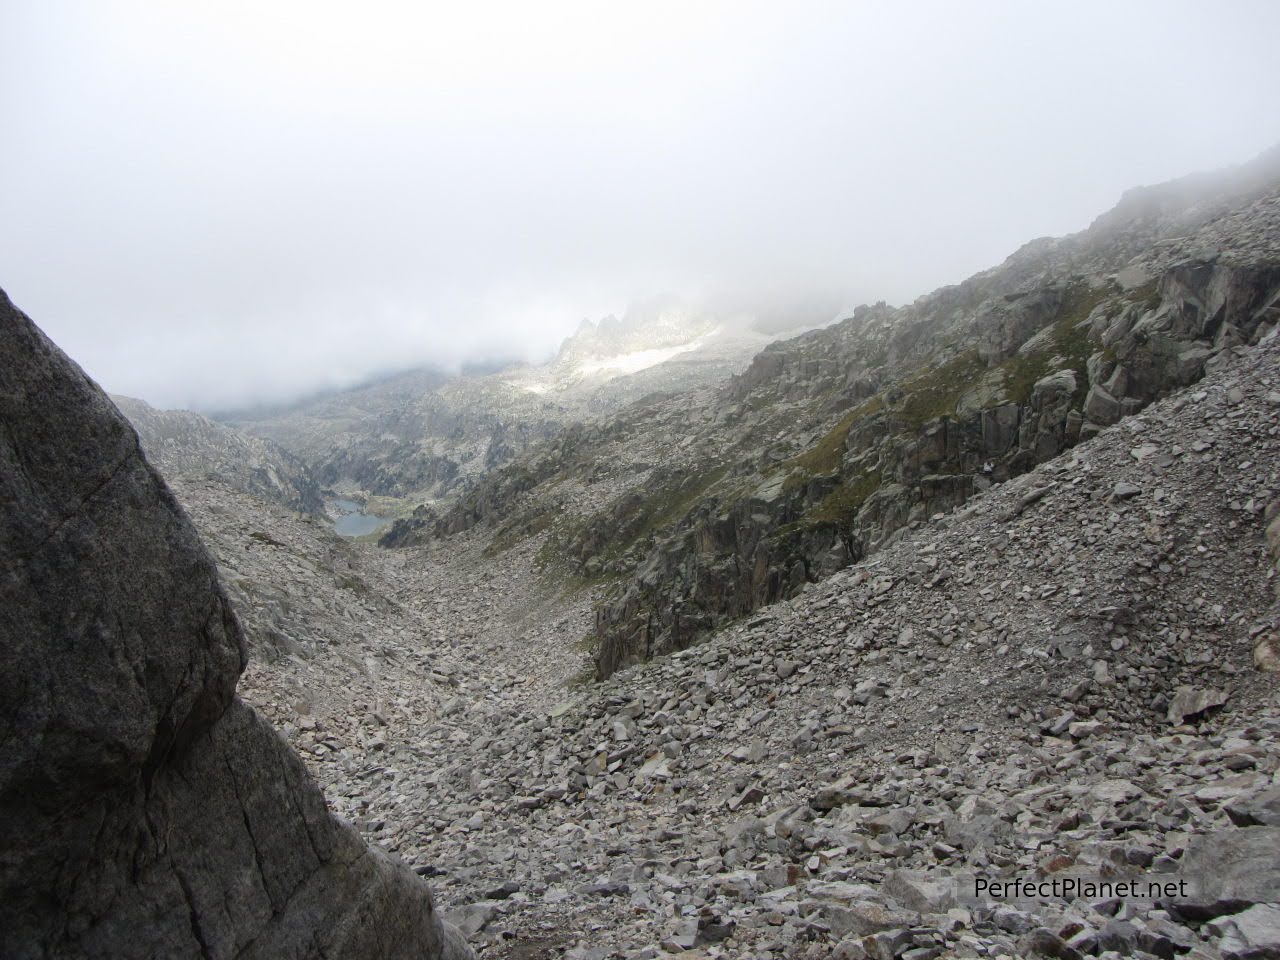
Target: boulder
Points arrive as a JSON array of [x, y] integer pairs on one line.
[[1256, 809], [1252, 934], [145, 810], [1101, 407], [999, 425], [1229, 870], [1266, 651], [920, 891], [1189, 703]]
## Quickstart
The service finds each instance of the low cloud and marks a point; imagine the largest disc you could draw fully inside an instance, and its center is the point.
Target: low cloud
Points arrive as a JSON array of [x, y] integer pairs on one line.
[[216, 205]]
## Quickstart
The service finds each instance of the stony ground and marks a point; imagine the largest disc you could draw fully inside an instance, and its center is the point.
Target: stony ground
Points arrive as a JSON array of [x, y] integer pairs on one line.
[[1058, 680]]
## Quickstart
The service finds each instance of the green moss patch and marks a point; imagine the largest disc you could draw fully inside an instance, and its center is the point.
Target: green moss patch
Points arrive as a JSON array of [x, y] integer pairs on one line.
[[669, 504], [840, 507], [521, 528], [935, 392], [1067, 347], [1148, 295], [826, 456], [1021, 374], [355, 585]]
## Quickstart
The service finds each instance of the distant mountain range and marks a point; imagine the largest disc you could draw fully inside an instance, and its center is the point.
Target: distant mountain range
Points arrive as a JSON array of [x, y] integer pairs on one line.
[[422, 436]]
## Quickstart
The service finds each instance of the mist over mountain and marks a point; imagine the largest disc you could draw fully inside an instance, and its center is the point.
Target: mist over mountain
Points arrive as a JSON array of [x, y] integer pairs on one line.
[[432, 187], [717, 481], [688, 640]]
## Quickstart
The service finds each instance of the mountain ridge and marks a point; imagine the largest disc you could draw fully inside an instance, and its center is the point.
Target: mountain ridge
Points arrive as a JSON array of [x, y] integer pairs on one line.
[[778, 664], [186, 444], [829, 443], [420, 436]]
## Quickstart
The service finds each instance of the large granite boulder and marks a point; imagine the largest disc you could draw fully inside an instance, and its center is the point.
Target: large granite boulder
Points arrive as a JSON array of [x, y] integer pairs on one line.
[[145, 811]]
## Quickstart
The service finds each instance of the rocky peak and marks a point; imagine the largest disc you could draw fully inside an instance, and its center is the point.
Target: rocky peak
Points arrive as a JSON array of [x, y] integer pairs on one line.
[[658, 325]]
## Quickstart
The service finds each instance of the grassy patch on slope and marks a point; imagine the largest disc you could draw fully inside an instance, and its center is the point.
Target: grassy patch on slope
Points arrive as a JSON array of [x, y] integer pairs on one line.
[[825, 457], [935, 392], [1067, 342]]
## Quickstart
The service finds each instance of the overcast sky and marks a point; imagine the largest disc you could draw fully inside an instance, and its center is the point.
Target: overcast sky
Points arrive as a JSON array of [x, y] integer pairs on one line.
[[210, 203]]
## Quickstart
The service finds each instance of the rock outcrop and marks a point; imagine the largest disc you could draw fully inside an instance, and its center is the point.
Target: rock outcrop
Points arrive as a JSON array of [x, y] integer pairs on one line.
[[145, 811], [966, 387], [184, 444]]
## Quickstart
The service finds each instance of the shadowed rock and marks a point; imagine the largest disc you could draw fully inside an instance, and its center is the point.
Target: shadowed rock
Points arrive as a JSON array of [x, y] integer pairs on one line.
[[145, 811]]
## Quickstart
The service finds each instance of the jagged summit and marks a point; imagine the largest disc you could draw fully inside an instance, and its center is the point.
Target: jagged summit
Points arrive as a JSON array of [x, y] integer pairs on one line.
[[658, 346], [661, 325]]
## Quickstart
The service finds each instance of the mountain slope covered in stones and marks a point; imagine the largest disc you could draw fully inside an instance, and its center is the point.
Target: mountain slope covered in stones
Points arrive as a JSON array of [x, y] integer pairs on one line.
[[986, 587], [698, 510], [1065, 667], [1071, 676], [145, 810]]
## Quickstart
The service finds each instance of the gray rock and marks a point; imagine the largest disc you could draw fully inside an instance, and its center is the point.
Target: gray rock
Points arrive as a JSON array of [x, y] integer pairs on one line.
[[1253, 934], [1132, 276], [1256, 809], [1123, 490], [893, 822], [920, 891], [1229, 870], [1101, 407], [144, 810], [889, 944], [751, 794], [1266, 650], [471, 918], [1189, 703], [862, 919], [1117, 935], [1012, 920], [1043, 942]]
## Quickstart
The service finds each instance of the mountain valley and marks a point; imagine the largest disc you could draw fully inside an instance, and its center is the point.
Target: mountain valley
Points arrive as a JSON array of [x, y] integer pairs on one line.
[[697, 642]]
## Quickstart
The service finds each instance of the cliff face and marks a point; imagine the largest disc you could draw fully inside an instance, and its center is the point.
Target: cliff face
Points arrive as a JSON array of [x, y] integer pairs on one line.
[[145, 811], [971, 385], [184, 444]]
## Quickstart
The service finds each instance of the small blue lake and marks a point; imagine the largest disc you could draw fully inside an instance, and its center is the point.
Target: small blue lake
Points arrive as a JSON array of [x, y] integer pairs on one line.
[[354, 522]]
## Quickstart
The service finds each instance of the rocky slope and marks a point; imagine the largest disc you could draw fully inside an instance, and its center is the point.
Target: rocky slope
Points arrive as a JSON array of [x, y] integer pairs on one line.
[[297, 588], [184, 444], [831, 444], [1063, 678], [145, 810]]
